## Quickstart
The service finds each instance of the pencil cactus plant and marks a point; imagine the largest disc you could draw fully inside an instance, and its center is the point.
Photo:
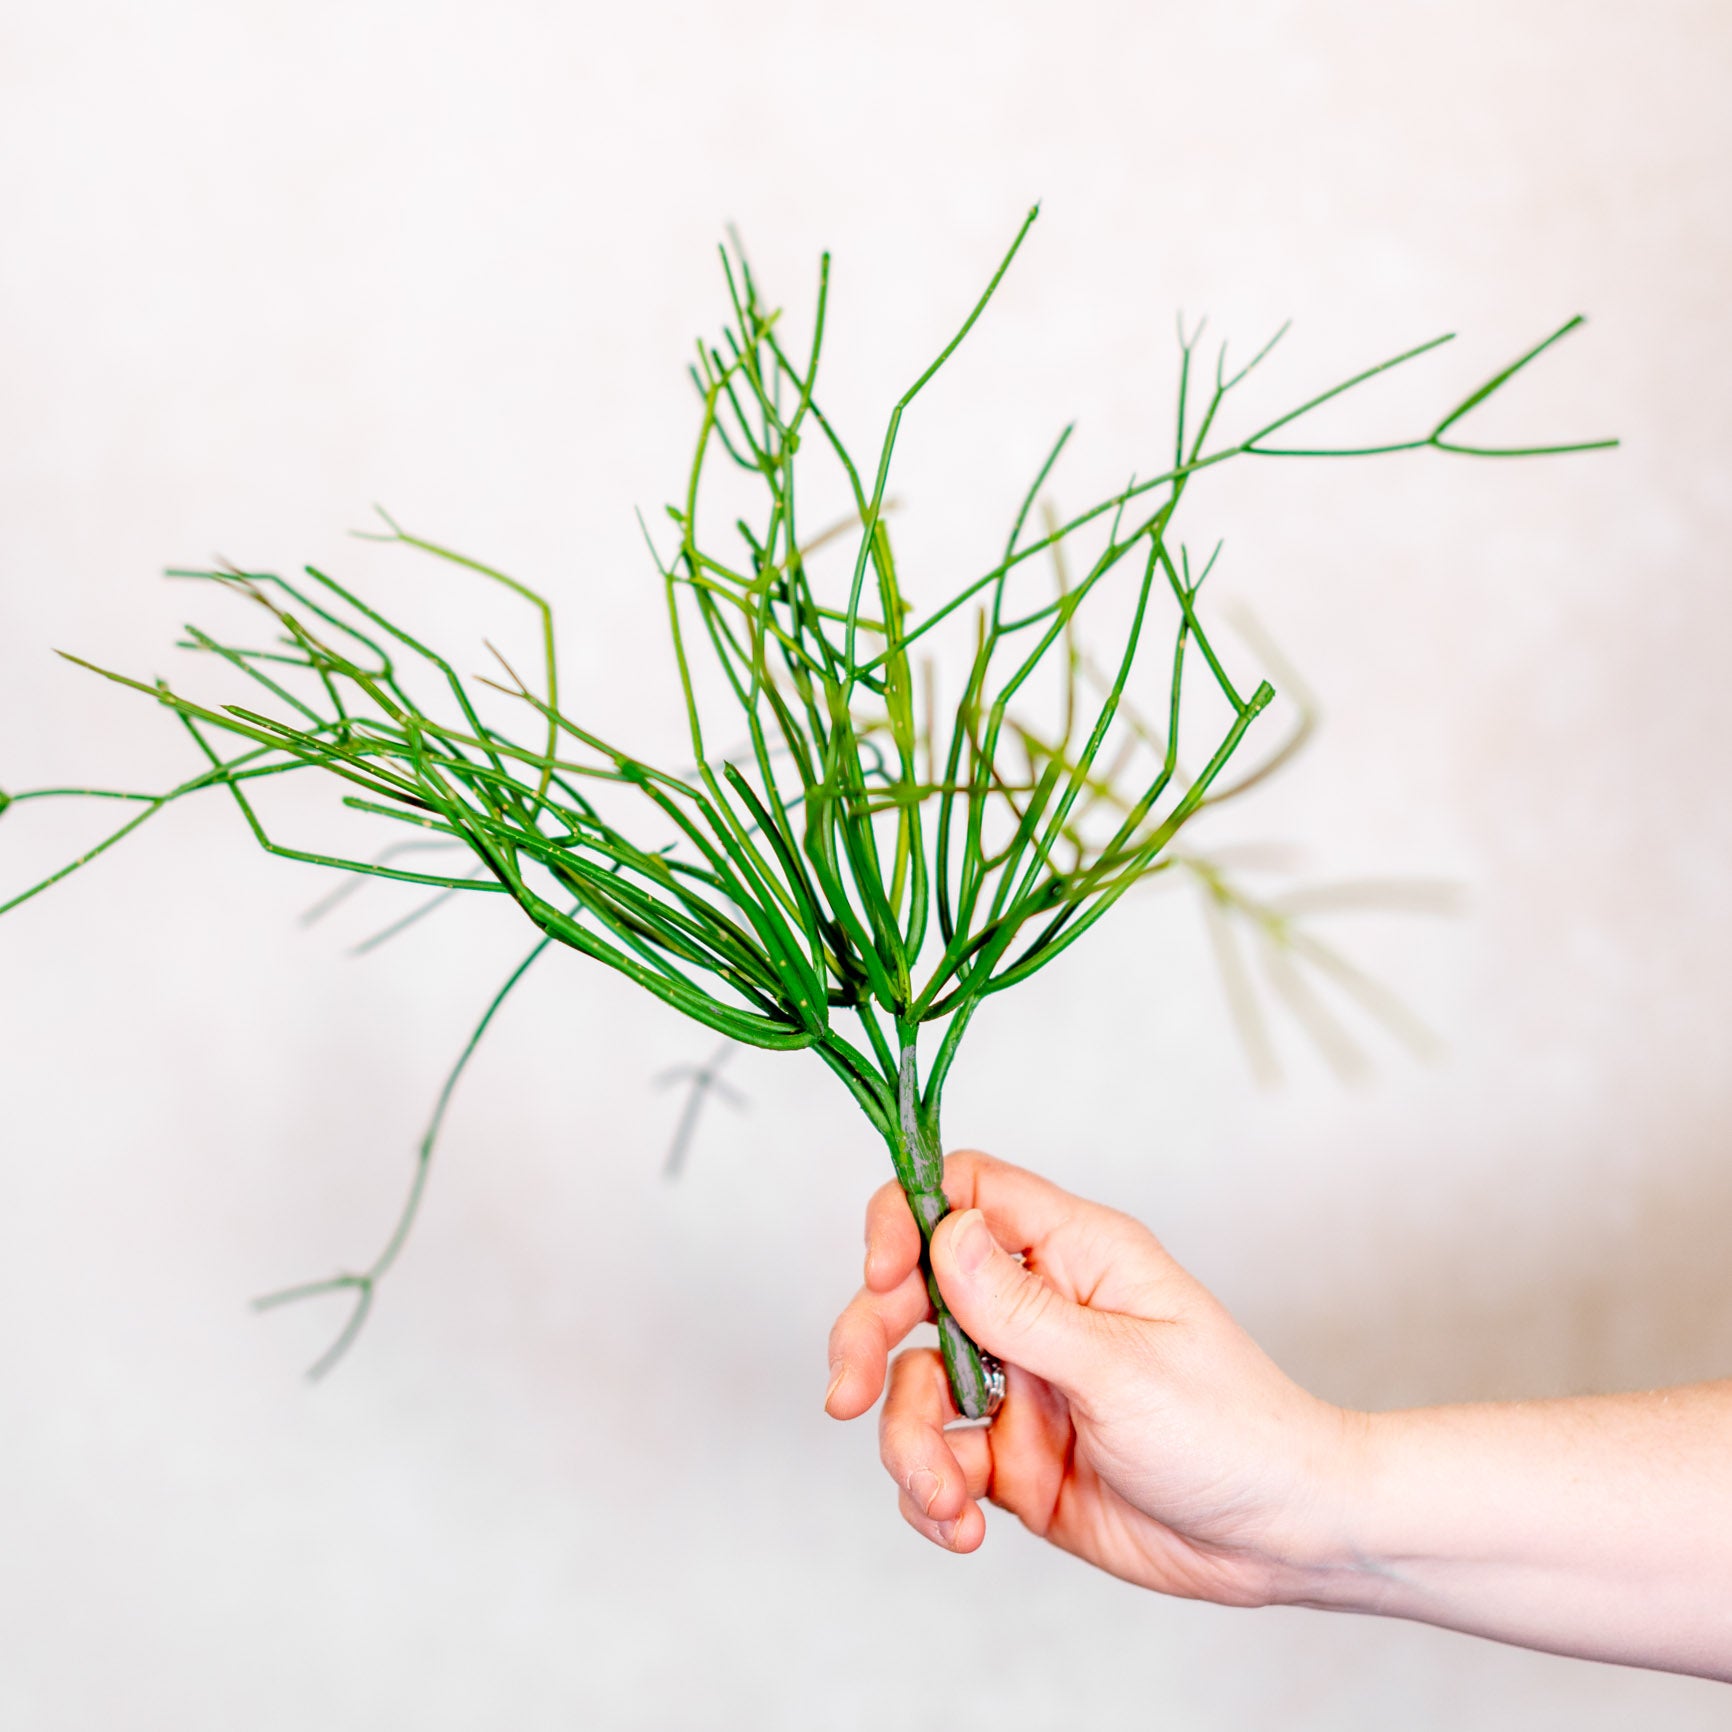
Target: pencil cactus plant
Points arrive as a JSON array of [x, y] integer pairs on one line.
[[861, 871]]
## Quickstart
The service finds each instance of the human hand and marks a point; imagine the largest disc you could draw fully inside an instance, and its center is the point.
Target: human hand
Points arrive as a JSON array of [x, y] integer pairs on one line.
[[1142, 1429]]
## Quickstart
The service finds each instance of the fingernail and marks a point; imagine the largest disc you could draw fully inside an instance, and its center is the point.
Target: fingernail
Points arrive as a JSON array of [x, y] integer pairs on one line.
[[947, 1530], [972, 1244], [838, 1372], [924, 1487]]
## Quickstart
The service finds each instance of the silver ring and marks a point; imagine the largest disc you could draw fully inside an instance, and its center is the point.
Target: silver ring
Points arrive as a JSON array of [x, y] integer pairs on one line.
[[993, 1371]]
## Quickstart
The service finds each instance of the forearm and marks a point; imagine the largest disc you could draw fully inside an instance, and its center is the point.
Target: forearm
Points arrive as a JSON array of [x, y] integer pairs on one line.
[[1599, 1526]]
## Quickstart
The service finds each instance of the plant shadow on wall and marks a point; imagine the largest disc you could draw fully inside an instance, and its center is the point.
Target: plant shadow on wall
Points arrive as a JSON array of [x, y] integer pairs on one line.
[[848, 863]]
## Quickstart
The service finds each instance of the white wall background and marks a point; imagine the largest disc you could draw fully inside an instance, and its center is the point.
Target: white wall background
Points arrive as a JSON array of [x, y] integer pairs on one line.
[[261, 265]]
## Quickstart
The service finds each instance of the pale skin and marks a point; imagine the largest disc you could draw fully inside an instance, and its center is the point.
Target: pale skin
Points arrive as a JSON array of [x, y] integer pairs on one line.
[[1146, 1432]]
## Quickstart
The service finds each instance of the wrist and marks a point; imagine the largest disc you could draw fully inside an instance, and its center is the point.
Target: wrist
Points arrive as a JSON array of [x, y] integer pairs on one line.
[[1316, 1555]]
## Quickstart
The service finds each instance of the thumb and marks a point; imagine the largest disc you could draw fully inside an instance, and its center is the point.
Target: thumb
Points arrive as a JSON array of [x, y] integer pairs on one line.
[[1010, 1310]]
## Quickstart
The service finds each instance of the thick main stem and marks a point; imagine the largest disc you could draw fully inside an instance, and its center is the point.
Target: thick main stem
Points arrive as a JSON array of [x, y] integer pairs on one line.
[[919, 1159]]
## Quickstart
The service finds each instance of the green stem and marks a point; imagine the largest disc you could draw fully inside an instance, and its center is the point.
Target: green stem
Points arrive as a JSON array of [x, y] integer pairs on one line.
[[919, 1159]]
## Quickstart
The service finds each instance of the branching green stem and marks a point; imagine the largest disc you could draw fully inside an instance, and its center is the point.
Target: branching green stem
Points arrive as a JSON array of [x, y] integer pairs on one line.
[[864, 864]]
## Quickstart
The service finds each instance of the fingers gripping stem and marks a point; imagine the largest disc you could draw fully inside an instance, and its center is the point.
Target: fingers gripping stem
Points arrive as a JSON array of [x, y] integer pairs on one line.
[[976, 1379]]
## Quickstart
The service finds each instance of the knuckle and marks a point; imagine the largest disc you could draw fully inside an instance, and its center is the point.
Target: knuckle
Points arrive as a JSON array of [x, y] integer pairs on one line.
[[1127, 1232], [905, 1370], [910, 1374], [895, 1399], [886, 1194], [1026, 1303], [962, 1168]]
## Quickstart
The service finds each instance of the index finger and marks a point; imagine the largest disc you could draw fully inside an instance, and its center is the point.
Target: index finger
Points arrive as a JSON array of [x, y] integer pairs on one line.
[[862, 1338]]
